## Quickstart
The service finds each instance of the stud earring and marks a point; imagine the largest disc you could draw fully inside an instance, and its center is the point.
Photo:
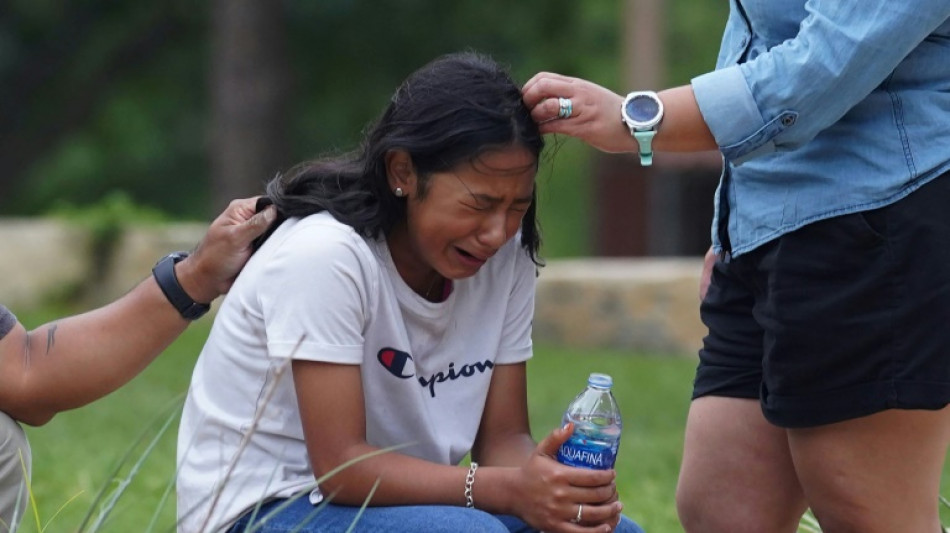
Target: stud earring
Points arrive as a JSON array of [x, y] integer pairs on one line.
[[399, 192]]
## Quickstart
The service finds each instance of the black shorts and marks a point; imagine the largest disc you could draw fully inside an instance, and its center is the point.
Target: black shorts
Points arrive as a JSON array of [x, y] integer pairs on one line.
[[840, 319]]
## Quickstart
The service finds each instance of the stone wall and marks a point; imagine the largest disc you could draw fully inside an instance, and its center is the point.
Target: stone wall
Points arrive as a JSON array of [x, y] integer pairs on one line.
[[48, 257], [642, 305], [39, 258]]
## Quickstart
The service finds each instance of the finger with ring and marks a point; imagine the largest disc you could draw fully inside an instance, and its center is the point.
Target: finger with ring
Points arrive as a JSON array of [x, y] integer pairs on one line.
[[565, 108], [580, 514]]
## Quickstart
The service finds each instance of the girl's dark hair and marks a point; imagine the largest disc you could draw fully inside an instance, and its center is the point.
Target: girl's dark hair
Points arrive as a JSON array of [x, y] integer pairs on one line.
[[445, 114]]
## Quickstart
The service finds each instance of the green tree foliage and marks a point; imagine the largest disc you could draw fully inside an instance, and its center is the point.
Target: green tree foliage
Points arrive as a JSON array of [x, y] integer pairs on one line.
[[104, 95], [97, 96]]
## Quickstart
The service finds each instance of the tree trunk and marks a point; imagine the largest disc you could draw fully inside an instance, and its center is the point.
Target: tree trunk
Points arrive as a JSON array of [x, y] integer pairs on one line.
[[250, 86]]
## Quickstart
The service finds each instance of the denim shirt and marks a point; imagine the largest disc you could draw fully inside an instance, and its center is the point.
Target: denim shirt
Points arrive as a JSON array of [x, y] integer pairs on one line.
[[823, 108]]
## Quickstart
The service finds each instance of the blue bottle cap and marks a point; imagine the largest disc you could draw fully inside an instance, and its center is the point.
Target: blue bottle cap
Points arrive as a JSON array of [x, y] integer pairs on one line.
[[601, 381]]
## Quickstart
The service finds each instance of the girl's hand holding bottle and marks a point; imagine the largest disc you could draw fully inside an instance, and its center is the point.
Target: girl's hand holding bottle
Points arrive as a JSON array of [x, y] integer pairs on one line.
[[553, 497]]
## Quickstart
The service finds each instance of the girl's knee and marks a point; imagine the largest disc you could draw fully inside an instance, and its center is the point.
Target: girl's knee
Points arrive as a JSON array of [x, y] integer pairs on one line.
[[453, 520]]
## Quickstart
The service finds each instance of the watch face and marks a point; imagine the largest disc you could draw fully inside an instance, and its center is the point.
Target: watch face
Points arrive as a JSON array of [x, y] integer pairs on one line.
[[642, 108]]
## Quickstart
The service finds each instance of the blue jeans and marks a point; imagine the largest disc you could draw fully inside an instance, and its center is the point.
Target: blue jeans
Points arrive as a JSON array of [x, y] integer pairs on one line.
[[284, 516]]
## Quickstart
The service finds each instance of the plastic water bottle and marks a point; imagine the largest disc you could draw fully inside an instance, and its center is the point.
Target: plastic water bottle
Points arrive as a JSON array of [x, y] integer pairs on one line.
[[597, 426]]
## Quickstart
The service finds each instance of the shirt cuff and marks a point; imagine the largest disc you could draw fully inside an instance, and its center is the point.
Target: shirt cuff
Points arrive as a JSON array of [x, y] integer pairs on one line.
[[311, 351], [512, 355], [730, 111]]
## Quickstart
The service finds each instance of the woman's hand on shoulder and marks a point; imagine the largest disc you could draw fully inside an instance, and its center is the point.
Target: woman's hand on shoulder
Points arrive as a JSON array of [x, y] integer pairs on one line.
[[548, 494]]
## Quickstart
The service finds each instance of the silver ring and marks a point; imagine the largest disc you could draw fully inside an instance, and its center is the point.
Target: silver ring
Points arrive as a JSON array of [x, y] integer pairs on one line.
[[580, 513], [564, 108]]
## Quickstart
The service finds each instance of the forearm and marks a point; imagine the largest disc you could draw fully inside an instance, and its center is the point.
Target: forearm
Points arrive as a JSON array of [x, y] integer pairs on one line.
[[683, 128], [73, 361], [529, 490], [337, 437], [406, 480], [513, 451]]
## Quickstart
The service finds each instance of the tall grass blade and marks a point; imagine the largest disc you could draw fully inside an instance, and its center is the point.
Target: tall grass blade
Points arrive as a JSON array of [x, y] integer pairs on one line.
[[260, 503], [253, 527], [124, 484], [169, 413], [355, 460], [169, 488], [60, 510], [310, 516], [29, 491], [246, 439], [363, 507]]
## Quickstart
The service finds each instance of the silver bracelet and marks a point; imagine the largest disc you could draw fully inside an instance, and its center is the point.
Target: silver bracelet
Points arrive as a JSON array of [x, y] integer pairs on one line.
[[469, 481]]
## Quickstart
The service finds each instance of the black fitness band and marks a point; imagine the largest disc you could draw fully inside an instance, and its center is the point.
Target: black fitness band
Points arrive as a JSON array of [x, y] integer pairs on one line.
[[164, 272]]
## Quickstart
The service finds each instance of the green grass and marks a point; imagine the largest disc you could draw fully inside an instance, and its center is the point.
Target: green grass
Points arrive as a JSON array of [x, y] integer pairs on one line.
[[75, 454]]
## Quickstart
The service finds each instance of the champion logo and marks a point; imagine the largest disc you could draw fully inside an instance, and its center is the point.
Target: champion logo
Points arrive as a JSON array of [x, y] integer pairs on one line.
[[395, 361], [453, 374]]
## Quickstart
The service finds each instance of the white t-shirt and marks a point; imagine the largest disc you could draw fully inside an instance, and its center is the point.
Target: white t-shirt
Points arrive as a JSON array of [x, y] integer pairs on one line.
[[319, 291]]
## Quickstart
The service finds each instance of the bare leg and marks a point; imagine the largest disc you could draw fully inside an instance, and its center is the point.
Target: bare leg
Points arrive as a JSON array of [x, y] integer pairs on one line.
[[879, 473], [737, 474]]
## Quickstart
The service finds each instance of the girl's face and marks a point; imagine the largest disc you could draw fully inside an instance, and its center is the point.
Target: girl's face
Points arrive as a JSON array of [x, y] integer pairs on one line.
[[466, 215]]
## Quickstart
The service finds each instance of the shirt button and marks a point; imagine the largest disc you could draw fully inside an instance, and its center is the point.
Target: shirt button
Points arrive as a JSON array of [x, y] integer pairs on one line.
[[788, 120]]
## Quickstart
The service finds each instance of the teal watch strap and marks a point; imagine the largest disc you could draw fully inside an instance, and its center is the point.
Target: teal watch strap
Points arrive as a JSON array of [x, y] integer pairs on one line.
[[645, 140]]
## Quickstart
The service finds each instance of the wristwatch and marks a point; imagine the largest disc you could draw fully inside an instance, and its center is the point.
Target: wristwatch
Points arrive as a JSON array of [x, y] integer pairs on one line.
[[164, 272], [642, 112]]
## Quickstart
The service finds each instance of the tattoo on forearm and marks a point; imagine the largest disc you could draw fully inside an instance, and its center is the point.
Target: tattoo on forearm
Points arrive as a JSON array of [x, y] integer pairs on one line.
[[51, 338]]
